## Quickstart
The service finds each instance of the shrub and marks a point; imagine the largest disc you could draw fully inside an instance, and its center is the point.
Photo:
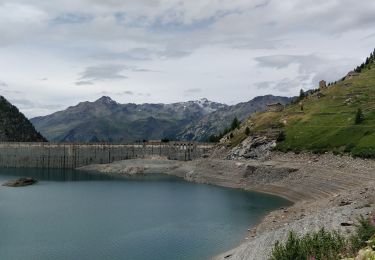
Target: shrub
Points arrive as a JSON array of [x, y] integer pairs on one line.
[[235, 124], [319, 245], [214, 139], [281, 136], [319, 150], [349, 147], [247, 131], [364, 231], [326, 245], [367, 152], [337, 152], [367, 253], [277, 125], [359, 117]]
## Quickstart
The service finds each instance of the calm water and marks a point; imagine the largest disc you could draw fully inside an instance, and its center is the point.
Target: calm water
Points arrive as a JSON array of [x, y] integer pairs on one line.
[[75, 215]]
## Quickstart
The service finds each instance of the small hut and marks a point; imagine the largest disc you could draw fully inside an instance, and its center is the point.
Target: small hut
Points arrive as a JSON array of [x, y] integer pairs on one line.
[[351, 74], [275, 107]]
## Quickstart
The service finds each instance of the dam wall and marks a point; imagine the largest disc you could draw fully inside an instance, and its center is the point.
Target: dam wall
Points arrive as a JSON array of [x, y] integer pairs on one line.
[[70, 156]]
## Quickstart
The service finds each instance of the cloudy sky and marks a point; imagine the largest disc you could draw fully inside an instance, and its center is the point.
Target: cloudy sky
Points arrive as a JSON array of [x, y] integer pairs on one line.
[[56, 53]]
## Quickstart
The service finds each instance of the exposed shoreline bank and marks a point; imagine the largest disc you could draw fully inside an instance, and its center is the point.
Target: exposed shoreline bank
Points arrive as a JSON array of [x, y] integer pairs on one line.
[[326, 190]]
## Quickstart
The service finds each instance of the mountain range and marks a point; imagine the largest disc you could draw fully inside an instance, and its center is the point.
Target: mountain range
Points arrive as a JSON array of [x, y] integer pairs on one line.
[[217, 121], [106, 120]]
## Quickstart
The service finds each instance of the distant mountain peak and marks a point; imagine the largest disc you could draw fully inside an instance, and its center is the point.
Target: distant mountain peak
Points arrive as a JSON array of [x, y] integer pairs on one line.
[[105, 100]]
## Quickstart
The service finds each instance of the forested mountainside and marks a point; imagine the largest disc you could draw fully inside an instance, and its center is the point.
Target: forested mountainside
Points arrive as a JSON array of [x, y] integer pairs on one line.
[[14, 126]]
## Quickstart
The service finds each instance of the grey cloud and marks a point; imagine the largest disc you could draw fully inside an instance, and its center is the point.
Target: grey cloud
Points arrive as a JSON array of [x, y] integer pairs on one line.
[[71, 18], [193, 90], [214, 36], [84, 83], [144, 94], [103, 72], [137, 69], [4, 88], [315, 67], [264, 4], [142, 54], [3, 84], [372, 35], [278, 61], [132, 54], [24, 103], [128, 92], [122, 93], [233, 23], [263, 84], [173, 53], [285, 85], [28, 104]]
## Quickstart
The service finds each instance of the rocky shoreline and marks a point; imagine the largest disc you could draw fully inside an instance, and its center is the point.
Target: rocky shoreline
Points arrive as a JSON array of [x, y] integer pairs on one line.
[[328, 191]]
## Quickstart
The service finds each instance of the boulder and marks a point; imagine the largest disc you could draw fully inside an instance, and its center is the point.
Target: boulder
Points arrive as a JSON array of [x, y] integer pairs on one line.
[[20, 182], [254, 147]]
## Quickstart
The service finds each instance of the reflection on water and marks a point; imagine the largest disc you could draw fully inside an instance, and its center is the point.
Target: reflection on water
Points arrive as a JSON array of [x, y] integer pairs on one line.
[[77, 215]]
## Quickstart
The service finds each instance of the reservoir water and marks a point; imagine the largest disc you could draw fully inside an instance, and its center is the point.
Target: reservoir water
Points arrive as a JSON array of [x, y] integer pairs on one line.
[[75, 215]]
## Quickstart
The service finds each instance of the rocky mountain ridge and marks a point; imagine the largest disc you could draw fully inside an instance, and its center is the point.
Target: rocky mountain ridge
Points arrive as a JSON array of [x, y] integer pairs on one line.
[[220, 119], [109, 121]]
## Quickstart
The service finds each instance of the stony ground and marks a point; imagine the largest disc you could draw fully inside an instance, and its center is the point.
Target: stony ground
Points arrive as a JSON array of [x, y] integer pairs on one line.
[[327, 190]]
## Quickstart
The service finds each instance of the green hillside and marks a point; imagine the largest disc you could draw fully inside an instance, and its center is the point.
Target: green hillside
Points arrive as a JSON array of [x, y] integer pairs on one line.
[[324, 120]]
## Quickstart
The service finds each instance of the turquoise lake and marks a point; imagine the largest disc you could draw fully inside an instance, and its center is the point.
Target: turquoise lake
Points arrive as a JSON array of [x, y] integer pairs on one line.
[[76, 215]]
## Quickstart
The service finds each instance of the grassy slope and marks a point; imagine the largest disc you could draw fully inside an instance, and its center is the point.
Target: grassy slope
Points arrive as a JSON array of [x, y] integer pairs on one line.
[[325, 124]]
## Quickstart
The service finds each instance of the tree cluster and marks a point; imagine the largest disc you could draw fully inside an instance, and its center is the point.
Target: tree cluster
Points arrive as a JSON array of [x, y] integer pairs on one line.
[[367, 64], [14, 126], [216, 138]]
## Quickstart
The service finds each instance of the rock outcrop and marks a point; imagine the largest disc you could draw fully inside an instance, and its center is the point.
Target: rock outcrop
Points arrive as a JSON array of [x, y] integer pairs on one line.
[[253, 147], [21, 182]]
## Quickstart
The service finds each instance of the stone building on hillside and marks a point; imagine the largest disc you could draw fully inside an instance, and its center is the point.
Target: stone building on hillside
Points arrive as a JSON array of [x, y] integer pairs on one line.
[[351, 75], [322, 84], [275, 107]]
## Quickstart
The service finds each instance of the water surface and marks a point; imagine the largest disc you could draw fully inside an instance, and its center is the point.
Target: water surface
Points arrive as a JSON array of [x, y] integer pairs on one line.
[[76, 215]]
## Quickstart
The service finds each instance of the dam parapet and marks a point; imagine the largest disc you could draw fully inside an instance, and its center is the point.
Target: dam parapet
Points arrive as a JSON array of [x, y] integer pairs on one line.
[[73, 155]]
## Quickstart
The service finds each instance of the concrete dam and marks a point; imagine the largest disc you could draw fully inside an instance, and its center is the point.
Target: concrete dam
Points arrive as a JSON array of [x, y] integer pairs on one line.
[[69, 156]]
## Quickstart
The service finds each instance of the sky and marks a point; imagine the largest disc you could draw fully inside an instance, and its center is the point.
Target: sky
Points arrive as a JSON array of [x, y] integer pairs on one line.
[[57, 53]]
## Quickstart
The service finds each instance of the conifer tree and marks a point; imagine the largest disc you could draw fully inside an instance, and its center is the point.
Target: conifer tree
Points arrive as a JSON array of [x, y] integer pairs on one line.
[[301, 94]]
